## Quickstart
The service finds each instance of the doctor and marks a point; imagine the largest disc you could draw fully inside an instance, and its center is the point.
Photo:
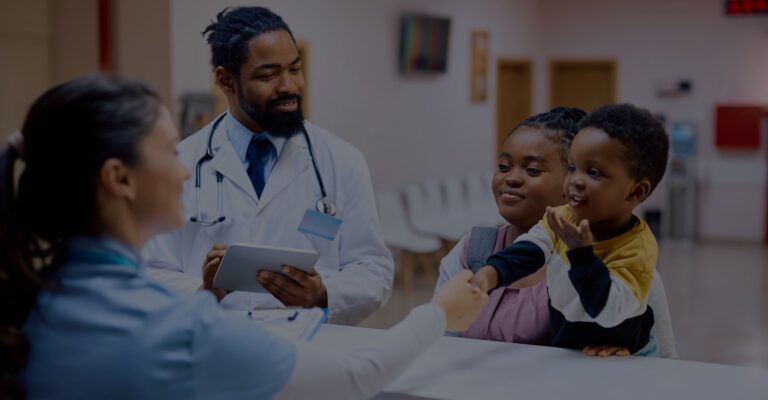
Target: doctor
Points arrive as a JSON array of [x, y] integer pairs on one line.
[[258, 169]]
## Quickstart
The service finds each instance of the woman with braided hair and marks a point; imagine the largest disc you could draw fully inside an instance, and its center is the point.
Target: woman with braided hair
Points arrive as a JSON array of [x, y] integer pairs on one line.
[[529, 177]]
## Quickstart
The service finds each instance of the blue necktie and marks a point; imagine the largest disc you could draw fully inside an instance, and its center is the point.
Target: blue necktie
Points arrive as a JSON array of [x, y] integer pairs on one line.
[[258, 150]]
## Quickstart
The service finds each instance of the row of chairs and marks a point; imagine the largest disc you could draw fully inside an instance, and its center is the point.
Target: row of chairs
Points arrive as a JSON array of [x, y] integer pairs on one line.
[[422, 221]]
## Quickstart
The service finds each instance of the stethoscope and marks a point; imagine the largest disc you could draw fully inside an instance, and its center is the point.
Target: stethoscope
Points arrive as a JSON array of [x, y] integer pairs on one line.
[[323, 205]]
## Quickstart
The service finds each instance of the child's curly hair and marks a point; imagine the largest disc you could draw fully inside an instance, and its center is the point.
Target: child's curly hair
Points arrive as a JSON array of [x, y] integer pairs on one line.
[[643, 136]]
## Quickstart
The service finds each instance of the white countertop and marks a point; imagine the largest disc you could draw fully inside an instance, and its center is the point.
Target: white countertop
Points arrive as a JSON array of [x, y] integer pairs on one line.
[[455, 368]]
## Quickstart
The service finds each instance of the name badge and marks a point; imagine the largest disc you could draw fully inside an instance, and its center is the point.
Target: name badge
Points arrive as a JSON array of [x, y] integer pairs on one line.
[[321, 225]]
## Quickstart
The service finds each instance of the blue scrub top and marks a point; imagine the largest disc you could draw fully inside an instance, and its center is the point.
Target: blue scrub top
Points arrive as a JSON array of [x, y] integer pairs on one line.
[[107, 331]]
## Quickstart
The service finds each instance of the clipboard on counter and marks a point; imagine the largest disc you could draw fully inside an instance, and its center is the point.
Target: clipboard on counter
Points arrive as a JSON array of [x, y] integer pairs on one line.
[[293, 322]]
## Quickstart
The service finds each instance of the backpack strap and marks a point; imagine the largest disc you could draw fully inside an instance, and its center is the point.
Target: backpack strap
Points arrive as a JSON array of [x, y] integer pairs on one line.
[[480, 246]]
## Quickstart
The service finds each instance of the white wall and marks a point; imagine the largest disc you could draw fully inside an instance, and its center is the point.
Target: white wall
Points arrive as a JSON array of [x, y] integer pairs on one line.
[[727, 60], [412, 128], [409, 128]]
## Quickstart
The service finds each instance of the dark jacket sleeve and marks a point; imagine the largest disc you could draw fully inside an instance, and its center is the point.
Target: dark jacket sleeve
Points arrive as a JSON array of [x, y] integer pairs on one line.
[[591, 279], [516, 262]]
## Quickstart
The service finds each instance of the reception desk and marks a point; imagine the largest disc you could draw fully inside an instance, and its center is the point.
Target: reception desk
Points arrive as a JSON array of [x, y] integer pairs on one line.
[[455, 368]]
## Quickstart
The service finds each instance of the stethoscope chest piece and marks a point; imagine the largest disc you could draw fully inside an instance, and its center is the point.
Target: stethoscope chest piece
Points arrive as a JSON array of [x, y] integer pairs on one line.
[[325, 207]]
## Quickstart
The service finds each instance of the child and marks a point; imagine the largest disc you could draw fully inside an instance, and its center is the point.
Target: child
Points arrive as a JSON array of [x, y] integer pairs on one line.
[[600, 257], [529, 177]]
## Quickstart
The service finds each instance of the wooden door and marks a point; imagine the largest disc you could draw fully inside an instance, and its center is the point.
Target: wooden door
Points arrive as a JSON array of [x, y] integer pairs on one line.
[[586, 84], [513, 96], [25, 51]]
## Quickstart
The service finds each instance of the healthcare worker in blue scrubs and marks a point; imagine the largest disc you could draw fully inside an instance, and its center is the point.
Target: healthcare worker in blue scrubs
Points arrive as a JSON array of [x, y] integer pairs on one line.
[[79, 317], [259, 169]]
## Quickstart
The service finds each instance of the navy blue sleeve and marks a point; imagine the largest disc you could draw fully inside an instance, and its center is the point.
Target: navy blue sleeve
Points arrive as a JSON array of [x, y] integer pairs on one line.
[[516, 262], [590, 278]]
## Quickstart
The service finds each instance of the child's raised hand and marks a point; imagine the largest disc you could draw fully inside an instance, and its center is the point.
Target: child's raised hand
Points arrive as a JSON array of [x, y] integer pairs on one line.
[[573, 236], [606, 351]]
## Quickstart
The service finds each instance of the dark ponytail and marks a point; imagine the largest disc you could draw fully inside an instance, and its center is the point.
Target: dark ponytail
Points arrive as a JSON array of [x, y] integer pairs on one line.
[[17, 279], [69, 132], [560, 125]]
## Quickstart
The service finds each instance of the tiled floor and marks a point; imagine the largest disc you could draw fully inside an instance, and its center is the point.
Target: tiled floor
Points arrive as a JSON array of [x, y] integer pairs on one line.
[[718, 297]]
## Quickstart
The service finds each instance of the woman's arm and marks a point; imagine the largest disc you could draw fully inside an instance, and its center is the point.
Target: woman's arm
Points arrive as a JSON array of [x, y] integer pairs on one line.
[[234, 357], [363, 371]]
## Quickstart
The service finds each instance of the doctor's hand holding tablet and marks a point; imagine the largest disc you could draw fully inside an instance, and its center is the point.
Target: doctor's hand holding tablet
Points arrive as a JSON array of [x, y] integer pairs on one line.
[[255, 268], [286, 273]]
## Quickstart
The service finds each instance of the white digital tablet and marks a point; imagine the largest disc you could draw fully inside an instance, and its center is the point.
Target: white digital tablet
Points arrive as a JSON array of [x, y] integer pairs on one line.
[[243, 261]]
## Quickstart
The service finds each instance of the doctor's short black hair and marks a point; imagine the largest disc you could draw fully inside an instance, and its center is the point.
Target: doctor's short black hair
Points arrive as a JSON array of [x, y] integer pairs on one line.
[[643, 136], [234, 28]]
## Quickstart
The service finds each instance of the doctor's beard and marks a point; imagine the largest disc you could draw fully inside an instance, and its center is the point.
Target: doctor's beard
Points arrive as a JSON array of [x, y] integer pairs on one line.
[[277, 123]]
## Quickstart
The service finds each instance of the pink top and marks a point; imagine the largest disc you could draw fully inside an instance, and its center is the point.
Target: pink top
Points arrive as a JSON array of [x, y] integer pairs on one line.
[[512, 315]]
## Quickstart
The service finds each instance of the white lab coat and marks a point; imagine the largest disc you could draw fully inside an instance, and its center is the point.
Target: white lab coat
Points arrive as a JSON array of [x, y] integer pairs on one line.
[[356, 267]]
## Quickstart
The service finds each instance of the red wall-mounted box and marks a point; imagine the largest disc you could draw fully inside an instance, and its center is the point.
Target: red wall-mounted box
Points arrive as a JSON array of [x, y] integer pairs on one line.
[[738, 127]]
